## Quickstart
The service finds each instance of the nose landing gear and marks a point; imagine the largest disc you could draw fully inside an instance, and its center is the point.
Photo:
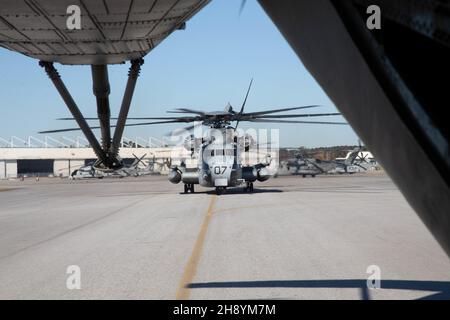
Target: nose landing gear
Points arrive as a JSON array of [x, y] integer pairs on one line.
[[189, 187], [248, 187], [220, 190]]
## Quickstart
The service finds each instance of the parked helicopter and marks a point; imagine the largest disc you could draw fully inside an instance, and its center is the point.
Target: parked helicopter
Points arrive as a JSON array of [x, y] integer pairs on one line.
[[89, 171], [219, 149], [305, 165], [355, 161]]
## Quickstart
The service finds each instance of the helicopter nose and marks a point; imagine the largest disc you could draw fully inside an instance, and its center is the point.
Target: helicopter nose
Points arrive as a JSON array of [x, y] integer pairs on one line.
[[219, 176], [221, 182]]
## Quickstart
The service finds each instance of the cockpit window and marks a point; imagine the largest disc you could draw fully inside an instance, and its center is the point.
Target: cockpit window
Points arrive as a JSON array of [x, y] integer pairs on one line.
[[229, 152], [223, 152]]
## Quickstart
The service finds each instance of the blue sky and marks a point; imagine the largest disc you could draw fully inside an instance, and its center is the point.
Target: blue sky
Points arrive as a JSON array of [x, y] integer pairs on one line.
[[203, 67]]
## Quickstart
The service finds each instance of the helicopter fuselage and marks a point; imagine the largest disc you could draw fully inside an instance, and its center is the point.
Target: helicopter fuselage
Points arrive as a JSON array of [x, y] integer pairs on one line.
[[219, 166]]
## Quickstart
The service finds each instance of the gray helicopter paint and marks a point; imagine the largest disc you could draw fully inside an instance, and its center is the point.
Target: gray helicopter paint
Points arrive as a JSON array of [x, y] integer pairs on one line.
[[220, 165], [218, 161]]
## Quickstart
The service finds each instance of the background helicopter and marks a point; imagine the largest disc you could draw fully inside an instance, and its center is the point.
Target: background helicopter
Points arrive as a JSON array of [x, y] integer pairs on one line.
[[357, 160], [89, 171]]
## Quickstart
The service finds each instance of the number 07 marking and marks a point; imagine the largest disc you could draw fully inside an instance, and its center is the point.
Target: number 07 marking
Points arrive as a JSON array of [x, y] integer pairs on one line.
[[220, 169]]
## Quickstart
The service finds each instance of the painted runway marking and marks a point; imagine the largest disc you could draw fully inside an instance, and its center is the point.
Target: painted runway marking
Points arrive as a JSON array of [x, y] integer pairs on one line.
[[191, 267]]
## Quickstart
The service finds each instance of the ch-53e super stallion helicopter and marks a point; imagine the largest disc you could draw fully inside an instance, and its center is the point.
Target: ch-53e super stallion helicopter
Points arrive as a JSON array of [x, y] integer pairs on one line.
[[219, 149]]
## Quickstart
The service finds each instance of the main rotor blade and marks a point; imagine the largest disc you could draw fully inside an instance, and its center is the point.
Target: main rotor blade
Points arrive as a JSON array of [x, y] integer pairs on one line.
[[246, 96], [127, 125], [294, 121], [277, 110], [141, 118], [178, 131], [150, 123], [136, 163], [65, 130], [185, 119], [237, 117], [92, 118], [242, 7], [298, 115], [186, 110], [243, 104]]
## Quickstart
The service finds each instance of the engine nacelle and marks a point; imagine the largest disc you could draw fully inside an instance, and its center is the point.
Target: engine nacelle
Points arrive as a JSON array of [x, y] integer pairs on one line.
[[190, 176], [263, 174], [174, 176]]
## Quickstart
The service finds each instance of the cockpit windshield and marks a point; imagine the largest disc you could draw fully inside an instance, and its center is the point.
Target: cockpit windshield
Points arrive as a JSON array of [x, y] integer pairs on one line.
[[222, 152]]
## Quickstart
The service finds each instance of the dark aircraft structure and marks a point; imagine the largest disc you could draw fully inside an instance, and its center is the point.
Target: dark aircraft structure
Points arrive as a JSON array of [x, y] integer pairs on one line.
[[110, 32], [390, 83]]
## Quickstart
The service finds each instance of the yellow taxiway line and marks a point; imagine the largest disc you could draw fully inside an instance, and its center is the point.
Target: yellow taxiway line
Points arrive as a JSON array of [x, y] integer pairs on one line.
[[191, 267]]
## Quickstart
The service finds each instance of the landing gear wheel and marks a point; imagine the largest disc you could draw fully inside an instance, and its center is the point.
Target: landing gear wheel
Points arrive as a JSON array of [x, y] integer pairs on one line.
[[249, 187], [189, 187], [220, 190]]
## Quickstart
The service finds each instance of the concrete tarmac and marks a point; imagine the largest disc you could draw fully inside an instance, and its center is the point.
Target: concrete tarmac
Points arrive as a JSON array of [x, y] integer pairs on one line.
[[141, 238]]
